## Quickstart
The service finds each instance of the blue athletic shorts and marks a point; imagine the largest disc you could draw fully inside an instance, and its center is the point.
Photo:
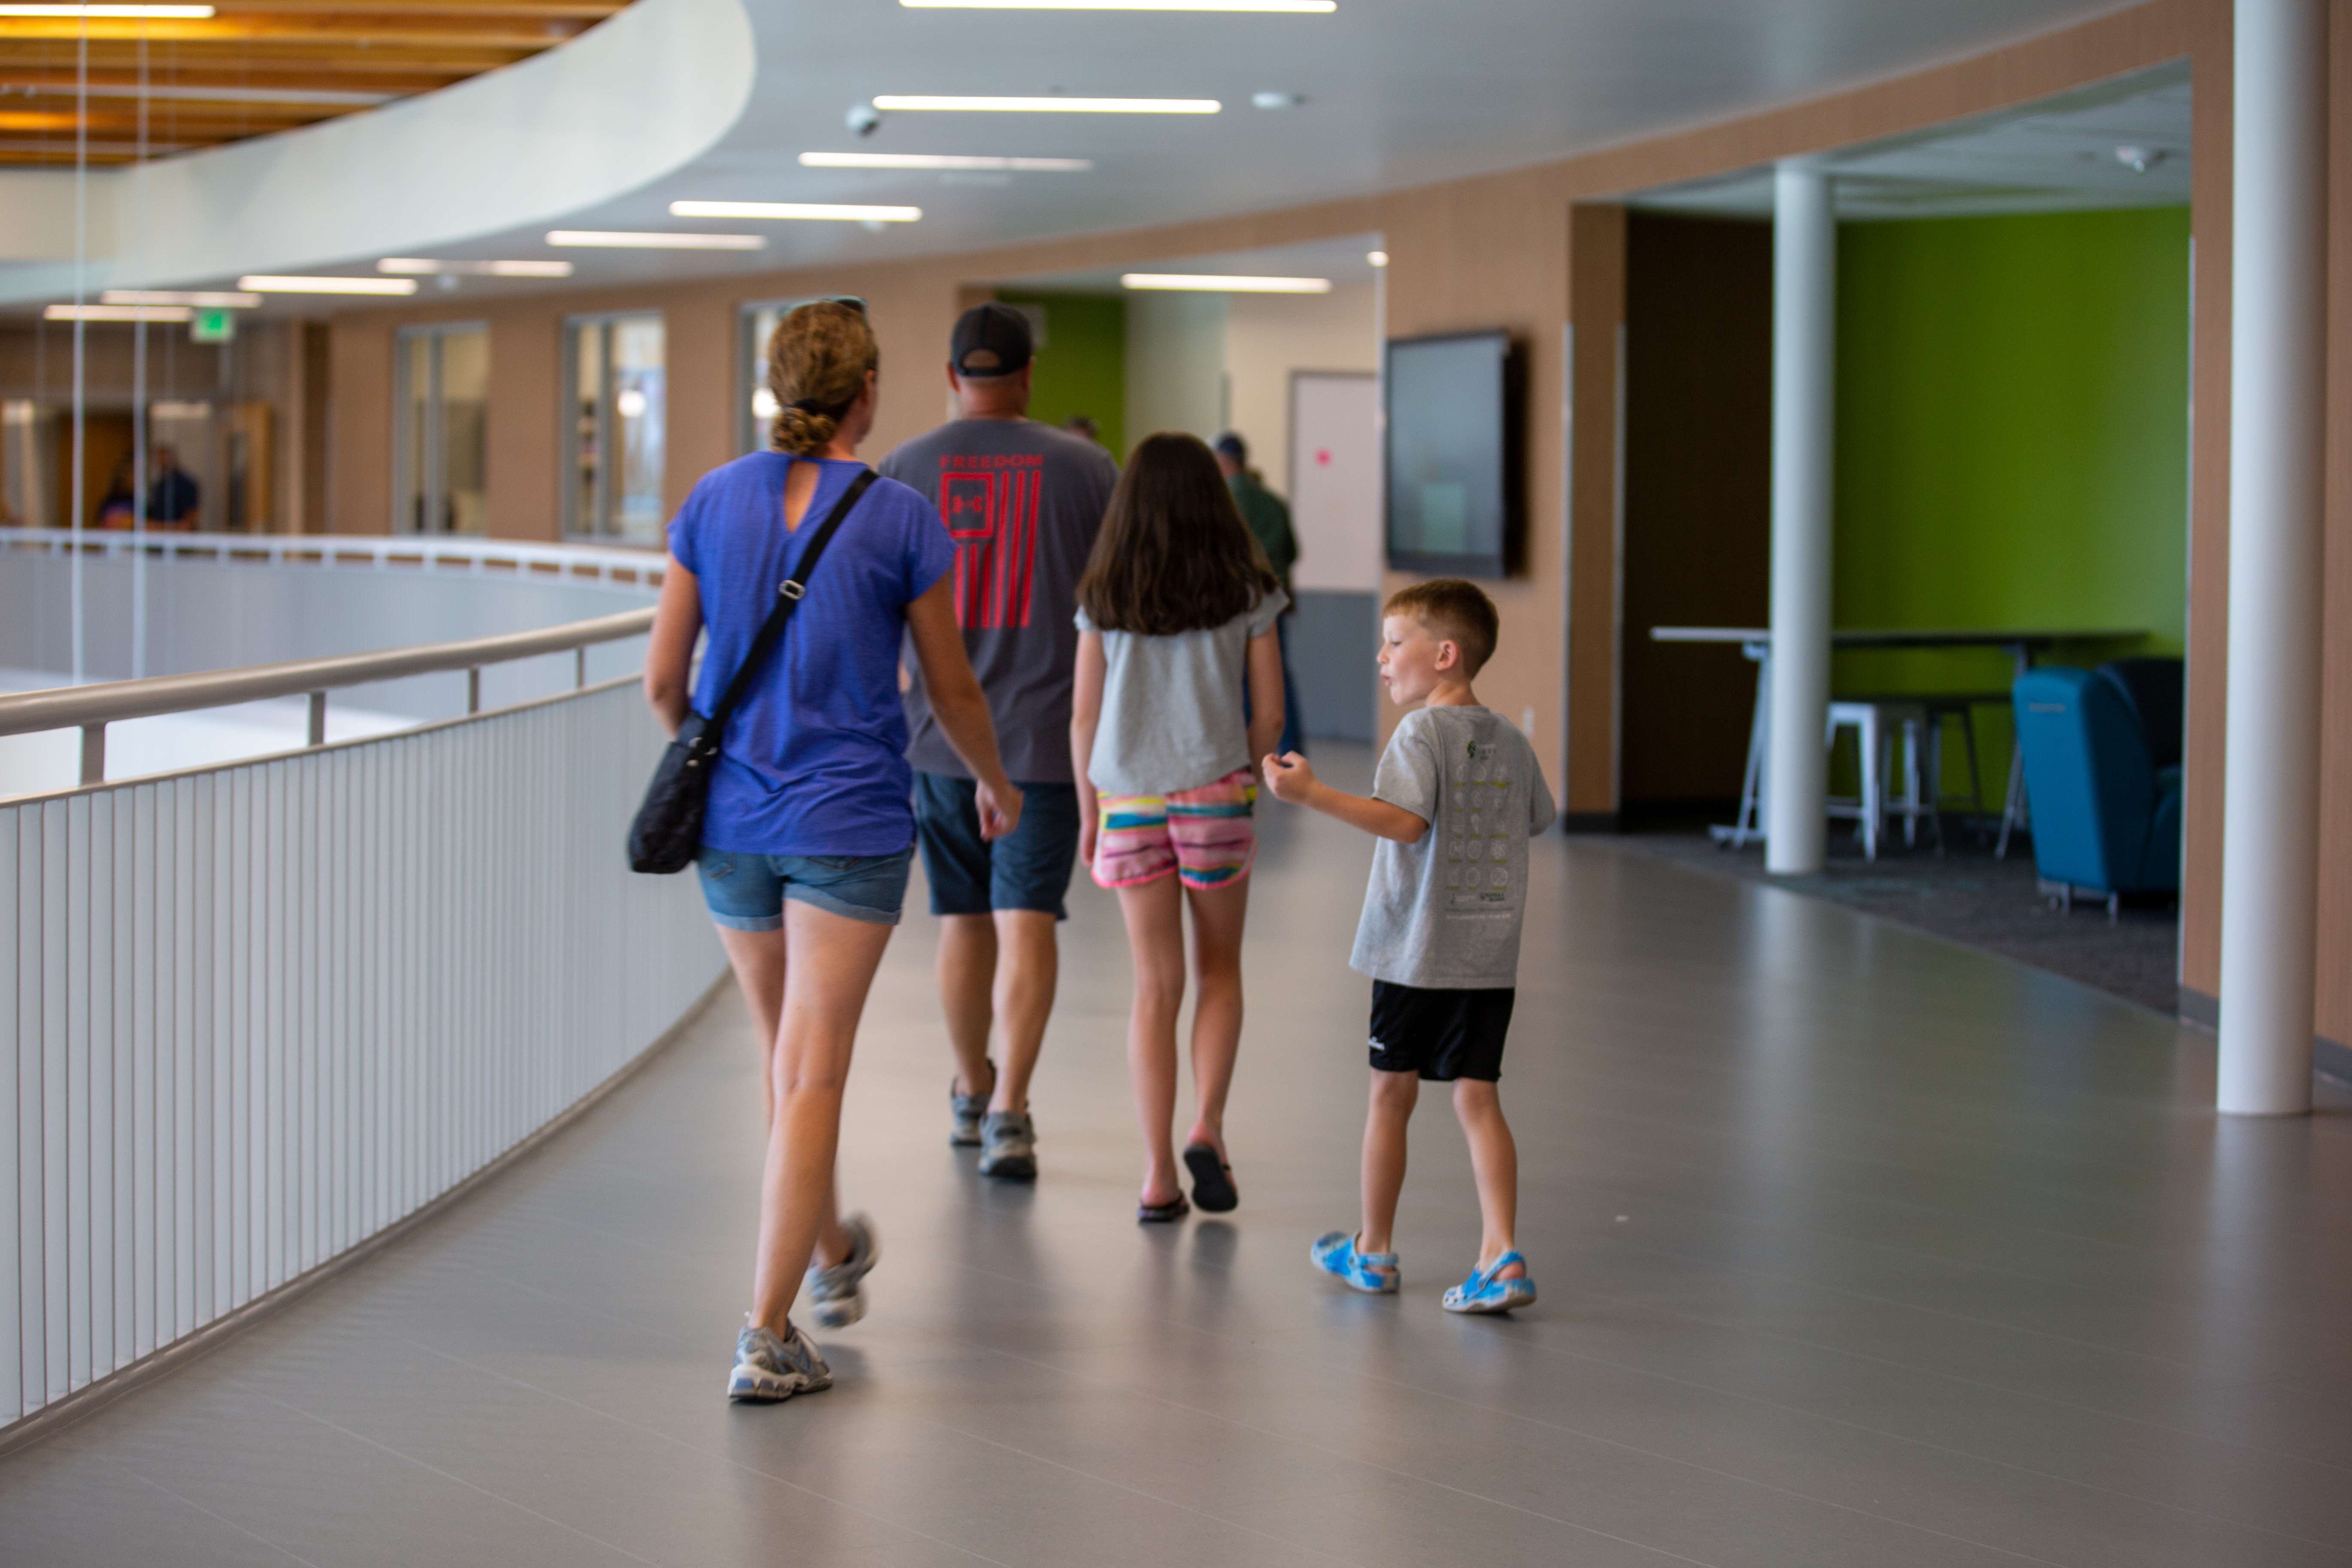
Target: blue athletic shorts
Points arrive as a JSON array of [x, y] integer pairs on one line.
[[1028, 870], [747, 892]]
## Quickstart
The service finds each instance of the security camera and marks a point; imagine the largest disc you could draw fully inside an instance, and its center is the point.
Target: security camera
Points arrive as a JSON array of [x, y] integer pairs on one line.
[[863, 118]]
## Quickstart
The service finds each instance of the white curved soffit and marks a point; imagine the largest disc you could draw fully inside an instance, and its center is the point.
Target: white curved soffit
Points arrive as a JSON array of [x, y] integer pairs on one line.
[[647, 90]]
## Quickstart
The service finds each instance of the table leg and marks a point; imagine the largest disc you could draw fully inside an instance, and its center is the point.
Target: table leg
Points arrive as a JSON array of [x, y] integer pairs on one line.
[[2016, 811], [1750, 822]]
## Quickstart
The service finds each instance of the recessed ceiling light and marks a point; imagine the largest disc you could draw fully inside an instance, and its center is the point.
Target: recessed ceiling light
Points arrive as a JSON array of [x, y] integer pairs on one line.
[[1308, 6], [209, 299], [260, 284], [114, 13], [1377, 258], [936, 160], [832, 212], [116, 313], [426, 267], [1213, 283], [614, 240], [1058, 105]]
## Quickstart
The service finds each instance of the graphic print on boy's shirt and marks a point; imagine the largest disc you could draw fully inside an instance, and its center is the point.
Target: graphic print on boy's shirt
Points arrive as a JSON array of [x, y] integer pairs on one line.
[[990, 505], [1479, 841], [1445, 911]]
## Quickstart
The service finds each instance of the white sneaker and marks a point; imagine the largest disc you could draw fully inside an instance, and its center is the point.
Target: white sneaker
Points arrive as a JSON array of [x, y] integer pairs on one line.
[[769, 1368], [834, 1298]]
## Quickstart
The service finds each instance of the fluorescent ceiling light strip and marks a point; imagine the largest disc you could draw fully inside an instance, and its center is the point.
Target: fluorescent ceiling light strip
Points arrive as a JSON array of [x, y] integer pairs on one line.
[[263, 284], [114, 13], [936, 161], [615, 241], [205, 299], [116, 313], [426, 267], [1309, 7], [830, 212], [1210, 282], [1057, 105]]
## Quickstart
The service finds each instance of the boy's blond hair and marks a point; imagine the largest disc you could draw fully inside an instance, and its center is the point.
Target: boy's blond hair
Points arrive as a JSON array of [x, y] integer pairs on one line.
[[1453, 611]]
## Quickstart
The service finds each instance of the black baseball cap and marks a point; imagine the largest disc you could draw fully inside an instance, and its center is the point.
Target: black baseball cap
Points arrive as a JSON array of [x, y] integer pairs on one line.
[[990, 340]]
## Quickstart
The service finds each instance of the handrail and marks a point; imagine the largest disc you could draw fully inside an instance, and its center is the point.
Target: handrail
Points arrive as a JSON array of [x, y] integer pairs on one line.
[[92, 708], [601, 563]]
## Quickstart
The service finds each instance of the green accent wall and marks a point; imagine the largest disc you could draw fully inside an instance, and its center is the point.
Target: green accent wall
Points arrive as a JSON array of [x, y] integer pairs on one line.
[[2012, 439], [1082, 369]]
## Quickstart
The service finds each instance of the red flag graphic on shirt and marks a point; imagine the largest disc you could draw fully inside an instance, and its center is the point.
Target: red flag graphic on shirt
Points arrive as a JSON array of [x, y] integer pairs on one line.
[[990, 507]]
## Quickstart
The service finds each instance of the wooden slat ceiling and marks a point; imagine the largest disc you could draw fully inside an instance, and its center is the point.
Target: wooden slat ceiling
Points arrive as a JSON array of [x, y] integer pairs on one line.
[[254, 66]]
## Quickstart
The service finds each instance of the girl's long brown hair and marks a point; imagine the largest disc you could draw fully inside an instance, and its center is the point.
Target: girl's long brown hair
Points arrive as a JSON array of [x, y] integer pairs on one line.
[[1174, 554]]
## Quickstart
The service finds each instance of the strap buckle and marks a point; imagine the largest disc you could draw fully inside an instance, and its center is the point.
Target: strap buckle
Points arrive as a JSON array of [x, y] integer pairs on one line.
[[790, 589]]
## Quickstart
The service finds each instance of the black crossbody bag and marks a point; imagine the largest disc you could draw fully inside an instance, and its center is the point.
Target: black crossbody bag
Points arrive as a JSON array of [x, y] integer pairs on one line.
[[667, 833]]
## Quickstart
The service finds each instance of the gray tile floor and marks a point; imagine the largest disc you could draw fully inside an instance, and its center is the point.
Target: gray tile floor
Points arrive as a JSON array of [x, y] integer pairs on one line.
[[1857, 1248]]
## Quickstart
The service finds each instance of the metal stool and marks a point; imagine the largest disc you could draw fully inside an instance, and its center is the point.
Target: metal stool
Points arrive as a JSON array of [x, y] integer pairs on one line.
[[1876, 724]]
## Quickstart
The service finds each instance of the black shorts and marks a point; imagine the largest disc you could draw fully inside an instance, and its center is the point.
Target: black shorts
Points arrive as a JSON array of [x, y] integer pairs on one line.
[[1027, 869], [1440, 1035]]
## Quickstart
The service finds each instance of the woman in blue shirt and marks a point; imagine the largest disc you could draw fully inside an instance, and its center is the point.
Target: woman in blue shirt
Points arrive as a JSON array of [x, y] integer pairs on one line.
[[810, 829]]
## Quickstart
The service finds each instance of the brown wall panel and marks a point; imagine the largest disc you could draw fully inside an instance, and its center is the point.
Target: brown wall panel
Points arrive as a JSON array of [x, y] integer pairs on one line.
[[1698, 502], [359, 494], [1596, 307], [2335, 996], [523, 479], [2208, 504]]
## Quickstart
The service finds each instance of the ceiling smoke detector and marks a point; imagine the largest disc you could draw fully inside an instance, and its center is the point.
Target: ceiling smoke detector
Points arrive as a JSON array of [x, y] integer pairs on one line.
[[863, 118], [2139, 160], [1277, 100]]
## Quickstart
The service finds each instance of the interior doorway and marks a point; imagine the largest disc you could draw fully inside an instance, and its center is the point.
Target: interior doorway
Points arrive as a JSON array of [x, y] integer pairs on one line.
[[442, 434]]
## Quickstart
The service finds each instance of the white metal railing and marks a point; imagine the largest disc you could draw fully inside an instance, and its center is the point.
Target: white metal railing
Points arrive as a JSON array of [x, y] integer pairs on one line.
[[258, 1013], [379, 552], [91, 709]]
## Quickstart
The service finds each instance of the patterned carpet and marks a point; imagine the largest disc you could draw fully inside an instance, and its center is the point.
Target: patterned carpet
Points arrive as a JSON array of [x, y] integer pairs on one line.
[[1971, 898]]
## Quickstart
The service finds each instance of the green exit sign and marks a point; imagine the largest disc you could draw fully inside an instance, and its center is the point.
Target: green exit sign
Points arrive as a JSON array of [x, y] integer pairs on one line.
[[212, 326]]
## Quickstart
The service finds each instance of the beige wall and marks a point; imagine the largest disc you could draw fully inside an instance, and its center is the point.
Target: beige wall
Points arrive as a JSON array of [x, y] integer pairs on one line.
[[1527, 250], [1175, 364], [1268, 336]]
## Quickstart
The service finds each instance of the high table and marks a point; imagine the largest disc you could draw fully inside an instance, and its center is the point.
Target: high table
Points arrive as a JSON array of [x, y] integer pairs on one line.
[[1755, 642]]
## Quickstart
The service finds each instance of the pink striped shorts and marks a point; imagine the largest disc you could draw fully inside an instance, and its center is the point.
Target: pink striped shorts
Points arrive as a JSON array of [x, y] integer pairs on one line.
[[1204, 835]]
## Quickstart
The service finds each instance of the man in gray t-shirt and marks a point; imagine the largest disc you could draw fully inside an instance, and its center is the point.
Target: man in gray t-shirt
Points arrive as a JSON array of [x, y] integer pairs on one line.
[[1023, 503]]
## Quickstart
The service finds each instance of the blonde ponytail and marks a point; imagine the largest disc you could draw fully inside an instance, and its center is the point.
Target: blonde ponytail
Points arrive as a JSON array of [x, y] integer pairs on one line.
[[818, 360]]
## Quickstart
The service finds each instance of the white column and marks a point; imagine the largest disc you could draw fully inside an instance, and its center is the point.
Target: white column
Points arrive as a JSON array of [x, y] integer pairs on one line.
[[1804, 350], [2278, 314]]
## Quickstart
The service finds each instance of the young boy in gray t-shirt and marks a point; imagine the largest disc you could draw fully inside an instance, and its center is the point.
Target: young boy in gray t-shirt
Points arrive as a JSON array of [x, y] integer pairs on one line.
[[1457, 795]]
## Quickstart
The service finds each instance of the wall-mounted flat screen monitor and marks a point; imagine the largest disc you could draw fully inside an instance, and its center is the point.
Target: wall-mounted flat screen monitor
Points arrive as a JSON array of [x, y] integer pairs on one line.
[[1455, 456]]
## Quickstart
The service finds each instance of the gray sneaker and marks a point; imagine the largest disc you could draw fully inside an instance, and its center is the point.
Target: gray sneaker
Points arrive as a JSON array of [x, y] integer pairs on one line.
[[833, 1297], [768, 1369], [966, 1111], [1011, 1154]]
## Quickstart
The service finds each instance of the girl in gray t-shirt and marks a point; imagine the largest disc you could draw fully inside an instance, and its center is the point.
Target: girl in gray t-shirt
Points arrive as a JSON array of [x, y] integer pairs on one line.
[[1176, 610]]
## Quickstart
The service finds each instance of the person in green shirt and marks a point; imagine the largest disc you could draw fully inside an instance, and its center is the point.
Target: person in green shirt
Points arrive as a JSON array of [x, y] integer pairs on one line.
[[1268, 516]]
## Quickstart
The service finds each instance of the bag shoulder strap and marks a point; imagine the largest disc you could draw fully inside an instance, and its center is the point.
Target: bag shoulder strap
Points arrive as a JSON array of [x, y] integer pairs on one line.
[[788, 596]]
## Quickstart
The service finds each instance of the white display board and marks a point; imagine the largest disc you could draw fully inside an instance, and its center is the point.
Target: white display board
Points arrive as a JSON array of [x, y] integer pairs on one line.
[[1335, 479]]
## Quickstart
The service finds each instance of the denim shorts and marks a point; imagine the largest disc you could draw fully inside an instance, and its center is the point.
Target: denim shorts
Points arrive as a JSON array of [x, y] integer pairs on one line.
[[1027, 869], [747, 891]]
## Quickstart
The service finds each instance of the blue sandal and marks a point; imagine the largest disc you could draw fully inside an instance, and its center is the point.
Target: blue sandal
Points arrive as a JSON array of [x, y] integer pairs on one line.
[[1481, 1292], [1374, 1273]]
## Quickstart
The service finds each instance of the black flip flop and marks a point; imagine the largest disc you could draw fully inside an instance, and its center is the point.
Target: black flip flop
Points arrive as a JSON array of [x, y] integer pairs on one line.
[[1174, 1209], [1213, 1180]]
